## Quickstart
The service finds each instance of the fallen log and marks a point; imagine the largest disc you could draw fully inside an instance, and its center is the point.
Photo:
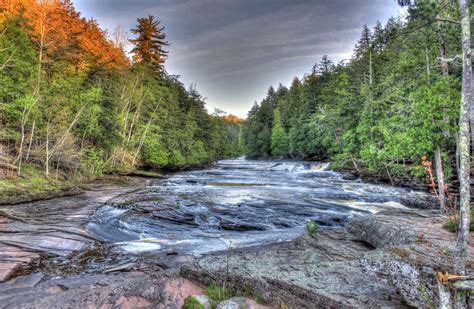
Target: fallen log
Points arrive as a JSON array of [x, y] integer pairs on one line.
[[8, 166]]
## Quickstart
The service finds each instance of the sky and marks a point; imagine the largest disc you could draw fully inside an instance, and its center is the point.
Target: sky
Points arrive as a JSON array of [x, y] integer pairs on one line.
[[233, 50]]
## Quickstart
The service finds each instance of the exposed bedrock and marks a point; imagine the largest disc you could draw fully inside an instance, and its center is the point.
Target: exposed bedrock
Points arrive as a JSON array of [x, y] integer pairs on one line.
[[387, 260], [320, 272], [411, 248], [120, 290]]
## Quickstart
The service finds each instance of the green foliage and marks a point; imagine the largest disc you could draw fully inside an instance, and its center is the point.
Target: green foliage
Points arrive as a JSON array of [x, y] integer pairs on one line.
[[452, 225], [192, 303], [279, 137], [95, 160], [150, 43], [311, 228], [219, 293], [260, 300], [154, 153]]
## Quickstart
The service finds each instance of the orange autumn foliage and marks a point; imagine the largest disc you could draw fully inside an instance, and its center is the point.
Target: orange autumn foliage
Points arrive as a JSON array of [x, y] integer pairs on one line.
[[55, 25], [233, 118]]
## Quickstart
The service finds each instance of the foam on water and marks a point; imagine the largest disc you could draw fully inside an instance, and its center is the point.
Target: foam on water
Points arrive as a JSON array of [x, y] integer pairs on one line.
[[240, 203]]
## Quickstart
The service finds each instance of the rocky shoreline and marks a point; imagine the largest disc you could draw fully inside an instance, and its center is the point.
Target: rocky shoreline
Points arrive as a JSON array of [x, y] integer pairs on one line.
[[386, 260]]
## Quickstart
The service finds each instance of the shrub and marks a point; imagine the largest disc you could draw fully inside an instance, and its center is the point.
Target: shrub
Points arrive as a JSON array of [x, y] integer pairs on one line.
[[311, 228], [192, 303], [453, 224]]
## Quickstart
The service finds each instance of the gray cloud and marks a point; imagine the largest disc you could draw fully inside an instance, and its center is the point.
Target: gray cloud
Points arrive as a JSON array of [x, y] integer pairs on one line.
[[234, 49]]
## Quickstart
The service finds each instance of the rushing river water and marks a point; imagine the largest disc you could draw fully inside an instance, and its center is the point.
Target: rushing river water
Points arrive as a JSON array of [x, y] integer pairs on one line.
[[239, 203]]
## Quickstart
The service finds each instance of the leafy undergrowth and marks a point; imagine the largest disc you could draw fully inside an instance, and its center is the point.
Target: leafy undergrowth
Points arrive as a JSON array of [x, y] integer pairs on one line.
[[192, 303], [452, 225], [219, 293], [31, 183]]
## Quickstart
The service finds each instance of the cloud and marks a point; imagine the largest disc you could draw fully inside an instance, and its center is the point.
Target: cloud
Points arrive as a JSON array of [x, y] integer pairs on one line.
[[234, 49]]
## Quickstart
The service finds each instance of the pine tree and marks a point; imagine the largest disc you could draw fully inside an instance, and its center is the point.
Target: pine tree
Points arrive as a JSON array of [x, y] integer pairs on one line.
[[150, 42], [279, 136]]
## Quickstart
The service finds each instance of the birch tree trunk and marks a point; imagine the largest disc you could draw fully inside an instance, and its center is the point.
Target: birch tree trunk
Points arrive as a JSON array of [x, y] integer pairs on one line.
[[47, 151], [31, 140], [438, 160], [440, 178], [464, 141]]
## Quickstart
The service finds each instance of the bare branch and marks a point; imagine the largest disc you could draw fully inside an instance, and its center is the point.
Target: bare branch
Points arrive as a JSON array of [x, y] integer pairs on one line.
[[5, 64], [457, 57], [448, 21]]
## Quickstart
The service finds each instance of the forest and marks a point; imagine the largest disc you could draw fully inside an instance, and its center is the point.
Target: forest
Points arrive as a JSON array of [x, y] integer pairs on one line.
[[72, 102], [395, 101]]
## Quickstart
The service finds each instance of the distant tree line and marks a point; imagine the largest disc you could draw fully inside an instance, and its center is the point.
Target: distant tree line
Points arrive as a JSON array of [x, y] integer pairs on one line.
[[72, 102], [394, 101]]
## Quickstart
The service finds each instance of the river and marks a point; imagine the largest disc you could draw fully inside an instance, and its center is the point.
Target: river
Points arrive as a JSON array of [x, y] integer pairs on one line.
[[238, 203]]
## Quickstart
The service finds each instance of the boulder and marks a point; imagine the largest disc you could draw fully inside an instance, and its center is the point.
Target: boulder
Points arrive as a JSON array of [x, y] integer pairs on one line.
[[204, 301], [240, 303]]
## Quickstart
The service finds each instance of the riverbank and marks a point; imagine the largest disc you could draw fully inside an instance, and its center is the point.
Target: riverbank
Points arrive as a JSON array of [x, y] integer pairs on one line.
[[33, 186]]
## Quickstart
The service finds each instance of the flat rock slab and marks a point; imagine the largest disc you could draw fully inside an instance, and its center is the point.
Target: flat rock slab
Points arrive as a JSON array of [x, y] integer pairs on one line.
[[130, 290], [50, 228], [240, 303], [12, 258], [320, 272]]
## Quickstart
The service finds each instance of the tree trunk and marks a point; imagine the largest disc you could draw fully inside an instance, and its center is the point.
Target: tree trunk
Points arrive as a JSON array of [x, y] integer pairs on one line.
[[47, 151], [440, 179], [31, 140], [464, 142], [438, 160], [22, 140]]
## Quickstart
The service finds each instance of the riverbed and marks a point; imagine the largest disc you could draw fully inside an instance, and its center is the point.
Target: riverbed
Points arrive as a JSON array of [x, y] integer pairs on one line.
[[239, 203]]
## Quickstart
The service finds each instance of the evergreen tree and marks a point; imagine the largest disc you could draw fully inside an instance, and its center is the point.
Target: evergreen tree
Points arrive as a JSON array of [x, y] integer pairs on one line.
[[279, 137], [150, 43]]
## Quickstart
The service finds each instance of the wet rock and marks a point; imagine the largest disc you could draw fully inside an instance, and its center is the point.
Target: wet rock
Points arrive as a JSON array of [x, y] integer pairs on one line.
[[349, 176], [123, 267], [421, 202], [235, 226], [29, 281], [12, 258], [48, 228], [62, 287], [132, 303], [171, 251]]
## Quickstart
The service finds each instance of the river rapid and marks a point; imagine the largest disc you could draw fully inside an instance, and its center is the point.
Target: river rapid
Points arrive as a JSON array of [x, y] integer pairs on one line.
[[239, 203]]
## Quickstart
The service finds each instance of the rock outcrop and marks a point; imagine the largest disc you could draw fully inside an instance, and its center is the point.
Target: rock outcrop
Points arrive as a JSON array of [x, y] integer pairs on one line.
[[411, 247], [387, 260], [48, 229], [319, 272]]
